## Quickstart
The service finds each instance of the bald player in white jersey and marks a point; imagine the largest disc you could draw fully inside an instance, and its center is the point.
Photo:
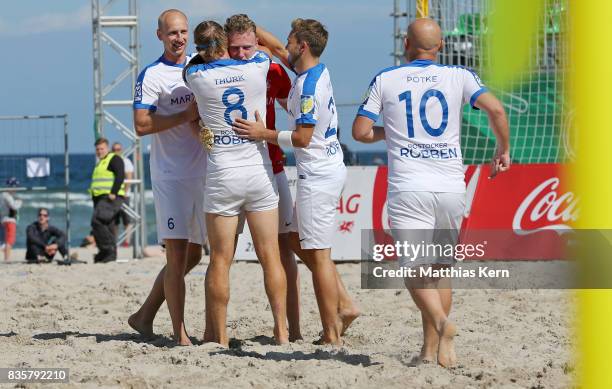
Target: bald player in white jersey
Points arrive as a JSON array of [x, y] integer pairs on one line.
[[239, 176], [421, 104], [313, 122], [164, 108]]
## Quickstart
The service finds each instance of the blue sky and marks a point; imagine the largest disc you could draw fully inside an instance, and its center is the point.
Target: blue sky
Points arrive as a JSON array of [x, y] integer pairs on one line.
[[47, 50]]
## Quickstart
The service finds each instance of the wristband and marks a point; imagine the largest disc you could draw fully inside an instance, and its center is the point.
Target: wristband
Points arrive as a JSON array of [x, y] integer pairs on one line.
[[284, 139]]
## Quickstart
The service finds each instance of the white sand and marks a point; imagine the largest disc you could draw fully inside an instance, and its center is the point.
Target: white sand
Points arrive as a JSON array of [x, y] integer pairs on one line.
[[75, 317]]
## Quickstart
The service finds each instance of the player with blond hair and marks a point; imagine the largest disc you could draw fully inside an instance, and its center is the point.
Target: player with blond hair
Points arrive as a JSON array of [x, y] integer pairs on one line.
[[239, 176]]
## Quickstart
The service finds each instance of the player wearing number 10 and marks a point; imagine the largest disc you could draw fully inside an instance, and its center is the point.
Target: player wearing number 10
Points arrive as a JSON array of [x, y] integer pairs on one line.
[[421, 103], [239, 176]]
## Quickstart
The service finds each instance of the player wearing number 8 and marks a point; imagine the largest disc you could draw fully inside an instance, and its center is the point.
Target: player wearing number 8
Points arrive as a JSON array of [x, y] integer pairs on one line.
[[239, 176], [421, 102]]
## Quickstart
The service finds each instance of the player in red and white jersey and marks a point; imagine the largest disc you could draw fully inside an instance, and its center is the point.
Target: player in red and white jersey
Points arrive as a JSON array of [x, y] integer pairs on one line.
[[242, 44], [321, 173]]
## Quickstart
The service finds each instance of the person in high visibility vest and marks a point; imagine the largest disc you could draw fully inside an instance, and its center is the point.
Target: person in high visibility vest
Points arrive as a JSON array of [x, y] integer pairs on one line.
[[107, 191]]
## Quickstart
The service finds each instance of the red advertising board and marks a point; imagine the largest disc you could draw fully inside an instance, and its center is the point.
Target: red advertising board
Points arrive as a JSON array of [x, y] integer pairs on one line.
[[522, 214]]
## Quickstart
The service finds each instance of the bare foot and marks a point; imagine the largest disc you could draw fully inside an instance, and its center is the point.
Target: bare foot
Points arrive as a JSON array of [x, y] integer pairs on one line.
[[322, 341], [183, 340], [428, 354], [281, 337], [348, 316], [295, 336], [418, 360], [143, 328], [208, 337], [446, 347]]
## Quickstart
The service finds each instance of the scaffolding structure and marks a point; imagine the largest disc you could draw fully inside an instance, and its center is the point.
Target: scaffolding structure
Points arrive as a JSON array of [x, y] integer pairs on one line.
[[103, 21], [400, 21]]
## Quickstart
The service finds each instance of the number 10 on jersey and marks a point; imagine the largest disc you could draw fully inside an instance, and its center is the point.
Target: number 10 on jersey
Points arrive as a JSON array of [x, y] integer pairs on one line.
[[407, 97]]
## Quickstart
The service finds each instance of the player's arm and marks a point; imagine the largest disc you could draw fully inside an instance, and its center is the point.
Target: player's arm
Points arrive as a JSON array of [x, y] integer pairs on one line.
[[148, 122], [365, 131], [257, 130], [499, 124], [275, 46], [117, 167]]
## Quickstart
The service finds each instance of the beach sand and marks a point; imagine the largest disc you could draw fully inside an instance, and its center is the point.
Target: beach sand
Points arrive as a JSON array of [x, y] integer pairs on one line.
[[76, 317]]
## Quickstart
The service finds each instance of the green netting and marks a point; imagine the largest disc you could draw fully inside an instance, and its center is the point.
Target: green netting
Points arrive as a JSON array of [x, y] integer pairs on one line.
[[534, 102]]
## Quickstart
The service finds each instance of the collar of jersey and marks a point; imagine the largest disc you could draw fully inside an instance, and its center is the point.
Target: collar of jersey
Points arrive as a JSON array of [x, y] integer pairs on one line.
[[163, 60], [420, 62], [317, 66]]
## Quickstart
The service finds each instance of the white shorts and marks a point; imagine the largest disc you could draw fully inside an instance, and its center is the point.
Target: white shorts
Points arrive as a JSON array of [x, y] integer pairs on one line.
[[179, 209], [232, 190], [425, 217], [314, 216], [285, 206], [285, 203]]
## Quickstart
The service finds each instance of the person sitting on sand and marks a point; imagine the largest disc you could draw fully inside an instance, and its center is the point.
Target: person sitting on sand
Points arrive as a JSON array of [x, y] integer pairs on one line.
[[44, 240]]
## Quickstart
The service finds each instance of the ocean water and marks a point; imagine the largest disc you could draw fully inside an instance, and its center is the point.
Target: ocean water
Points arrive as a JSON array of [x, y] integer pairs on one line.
[[80, 204]]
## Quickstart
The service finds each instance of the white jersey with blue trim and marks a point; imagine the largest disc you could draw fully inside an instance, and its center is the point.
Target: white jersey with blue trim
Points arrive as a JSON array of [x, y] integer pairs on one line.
[[224, 90], [421, 103], [175, 154], [311, 101]]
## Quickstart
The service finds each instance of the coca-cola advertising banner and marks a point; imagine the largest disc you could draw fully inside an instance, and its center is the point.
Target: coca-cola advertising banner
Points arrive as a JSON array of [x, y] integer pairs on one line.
[[521, 214], [524, 213]]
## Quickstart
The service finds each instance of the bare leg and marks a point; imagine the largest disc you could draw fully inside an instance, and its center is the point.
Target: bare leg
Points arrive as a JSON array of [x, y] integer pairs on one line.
[[264, 230], [208, 334], [446, 346], [217, 275], [130, 230], [325, 282], [428, 300], [293, 287], [347, 309], [174, 287], [142, 320]]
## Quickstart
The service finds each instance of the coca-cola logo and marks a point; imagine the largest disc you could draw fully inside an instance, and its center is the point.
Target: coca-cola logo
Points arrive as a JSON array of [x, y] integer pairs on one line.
[[545, 209]]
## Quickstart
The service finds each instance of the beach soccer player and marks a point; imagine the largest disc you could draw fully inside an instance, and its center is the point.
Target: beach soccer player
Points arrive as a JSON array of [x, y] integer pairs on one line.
[[164, 108], [242, 44], [239, 175], [321, 172], [421, 103]]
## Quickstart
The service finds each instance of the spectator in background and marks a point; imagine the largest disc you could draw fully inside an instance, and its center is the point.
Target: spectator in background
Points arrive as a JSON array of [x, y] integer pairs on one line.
[[44, 240], [349, 156], [123, 217], [9, 205], [108, 192]]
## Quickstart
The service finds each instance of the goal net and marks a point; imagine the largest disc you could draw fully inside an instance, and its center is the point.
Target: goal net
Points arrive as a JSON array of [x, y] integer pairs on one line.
[[34, 169], [539, 117]]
